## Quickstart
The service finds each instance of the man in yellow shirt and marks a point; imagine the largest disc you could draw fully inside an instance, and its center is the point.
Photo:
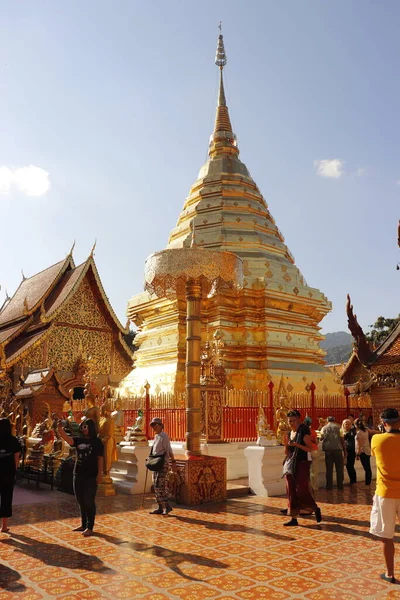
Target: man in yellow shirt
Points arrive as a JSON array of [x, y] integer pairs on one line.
[[386, 506]]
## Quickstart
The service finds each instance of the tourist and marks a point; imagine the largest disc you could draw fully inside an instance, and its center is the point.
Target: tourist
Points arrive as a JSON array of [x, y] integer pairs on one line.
[[335, 451], [10, 452], [386, 504], [314, 471], [88, 471], [363, 449], [297, 470], [349, 436], [161, 447]]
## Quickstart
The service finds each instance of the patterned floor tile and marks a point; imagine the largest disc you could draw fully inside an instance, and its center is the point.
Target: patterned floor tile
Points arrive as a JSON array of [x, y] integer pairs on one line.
[[261, 591], [296, 584], [126, 590], [232, 551], [331, 593], [231, 583], [194, 592]]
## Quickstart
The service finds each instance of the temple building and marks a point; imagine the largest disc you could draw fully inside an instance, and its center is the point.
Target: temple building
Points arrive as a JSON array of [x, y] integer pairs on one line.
[[58, 324], [267, 330], [375, 372]]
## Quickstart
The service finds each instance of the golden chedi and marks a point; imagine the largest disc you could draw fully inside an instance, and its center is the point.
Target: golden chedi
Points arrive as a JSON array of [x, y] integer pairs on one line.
[[268, 329]]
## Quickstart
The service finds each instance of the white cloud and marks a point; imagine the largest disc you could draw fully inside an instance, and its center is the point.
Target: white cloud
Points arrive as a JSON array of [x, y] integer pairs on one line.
[[329, 167], [30, 181]]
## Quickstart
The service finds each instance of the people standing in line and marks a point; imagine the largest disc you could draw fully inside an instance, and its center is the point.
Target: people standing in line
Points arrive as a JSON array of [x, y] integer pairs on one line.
[[88, 471], [363, 449], [10, 452], [349, 436], [335, 453], [314, 471], [386, 503], [297, 447], [161, 446]]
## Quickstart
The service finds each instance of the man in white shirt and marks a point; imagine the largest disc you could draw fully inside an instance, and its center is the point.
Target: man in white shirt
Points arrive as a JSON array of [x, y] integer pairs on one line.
[[161, 447]]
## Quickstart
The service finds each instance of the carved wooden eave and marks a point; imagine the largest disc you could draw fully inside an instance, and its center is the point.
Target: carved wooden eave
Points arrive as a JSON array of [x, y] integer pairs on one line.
[[36, 381]]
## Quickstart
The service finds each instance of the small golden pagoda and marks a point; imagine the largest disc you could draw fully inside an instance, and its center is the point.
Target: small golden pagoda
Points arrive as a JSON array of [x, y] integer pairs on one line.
[[268, 329]]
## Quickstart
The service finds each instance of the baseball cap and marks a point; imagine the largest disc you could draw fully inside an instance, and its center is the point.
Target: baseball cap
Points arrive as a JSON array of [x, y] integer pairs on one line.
[[156, 421]]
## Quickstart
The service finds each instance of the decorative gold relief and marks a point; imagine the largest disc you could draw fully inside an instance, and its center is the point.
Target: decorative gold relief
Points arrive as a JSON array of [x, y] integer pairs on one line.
[[97, 344], [83, 309]]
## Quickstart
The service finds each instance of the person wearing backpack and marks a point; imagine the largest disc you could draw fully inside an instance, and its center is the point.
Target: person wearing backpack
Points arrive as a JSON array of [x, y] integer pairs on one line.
[[335, 453]]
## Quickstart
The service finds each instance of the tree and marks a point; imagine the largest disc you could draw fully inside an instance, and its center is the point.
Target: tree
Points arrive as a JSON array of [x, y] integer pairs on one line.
[[381, 329], [129, 339]]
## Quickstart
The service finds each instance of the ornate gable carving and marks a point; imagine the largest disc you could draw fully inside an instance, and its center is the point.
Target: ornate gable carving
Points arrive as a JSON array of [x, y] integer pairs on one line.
[[33, 359], [83, 309], [65, 345]]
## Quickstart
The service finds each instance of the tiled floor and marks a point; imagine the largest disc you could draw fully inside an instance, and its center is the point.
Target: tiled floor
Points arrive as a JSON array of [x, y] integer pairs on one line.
[[238, 550]]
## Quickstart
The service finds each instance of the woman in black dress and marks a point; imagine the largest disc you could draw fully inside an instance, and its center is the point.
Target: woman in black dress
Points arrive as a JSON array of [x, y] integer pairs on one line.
[[88, 471], [349, 434], [298, 446], [10, 452]]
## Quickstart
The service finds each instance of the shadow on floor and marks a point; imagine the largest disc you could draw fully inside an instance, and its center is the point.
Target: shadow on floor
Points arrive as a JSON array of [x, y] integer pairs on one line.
[[231, 527], [172, 559], [9, 580], [55, 554]]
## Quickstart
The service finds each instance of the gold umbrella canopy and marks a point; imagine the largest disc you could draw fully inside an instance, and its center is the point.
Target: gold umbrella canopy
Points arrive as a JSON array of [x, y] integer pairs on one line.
[[168, 271]]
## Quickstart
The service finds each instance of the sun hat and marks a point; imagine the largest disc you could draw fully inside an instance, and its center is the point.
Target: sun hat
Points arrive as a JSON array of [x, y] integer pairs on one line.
[[156, 421]]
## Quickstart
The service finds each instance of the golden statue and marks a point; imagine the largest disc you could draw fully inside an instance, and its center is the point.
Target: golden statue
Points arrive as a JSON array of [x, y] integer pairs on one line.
[[107, 436], [282, 421], [118, 418], [91, 411], [265, 435], [12, 415]]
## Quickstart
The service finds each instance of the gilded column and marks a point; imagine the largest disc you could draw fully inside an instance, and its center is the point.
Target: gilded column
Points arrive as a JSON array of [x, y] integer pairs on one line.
[[193, 349]]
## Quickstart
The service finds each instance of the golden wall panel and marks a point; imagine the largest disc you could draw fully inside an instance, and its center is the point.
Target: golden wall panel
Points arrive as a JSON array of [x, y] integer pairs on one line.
[[33, 359], [66, 344], [83, 309]]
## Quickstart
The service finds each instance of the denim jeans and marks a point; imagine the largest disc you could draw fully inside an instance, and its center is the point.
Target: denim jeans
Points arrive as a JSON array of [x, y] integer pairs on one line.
[[85, 489]]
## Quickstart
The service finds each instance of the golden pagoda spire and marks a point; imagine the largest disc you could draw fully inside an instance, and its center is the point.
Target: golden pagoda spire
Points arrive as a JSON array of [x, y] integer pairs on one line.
[[223, 140]]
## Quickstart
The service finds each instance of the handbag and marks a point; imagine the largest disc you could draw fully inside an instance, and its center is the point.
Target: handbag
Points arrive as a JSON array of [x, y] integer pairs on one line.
[[155, 462], [289, 466]]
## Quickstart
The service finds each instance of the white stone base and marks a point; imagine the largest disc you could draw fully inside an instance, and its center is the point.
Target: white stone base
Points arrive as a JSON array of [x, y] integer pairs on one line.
[[265, 470], [129, 472], [236, 462]]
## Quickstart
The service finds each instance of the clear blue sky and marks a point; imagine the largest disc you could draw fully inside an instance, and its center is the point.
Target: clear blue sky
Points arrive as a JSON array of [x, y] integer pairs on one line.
[[116, 101]]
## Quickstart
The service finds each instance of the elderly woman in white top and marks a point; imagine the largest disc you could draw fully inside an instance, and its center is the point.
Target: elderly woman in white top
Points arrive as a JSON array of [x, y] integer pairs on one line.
[[363, 449], [161, 445]]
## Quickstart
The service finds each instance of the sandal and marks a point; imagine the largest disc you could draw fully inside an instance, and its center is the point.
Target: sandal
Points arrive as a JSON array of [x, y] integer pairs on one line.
[[386, 578]]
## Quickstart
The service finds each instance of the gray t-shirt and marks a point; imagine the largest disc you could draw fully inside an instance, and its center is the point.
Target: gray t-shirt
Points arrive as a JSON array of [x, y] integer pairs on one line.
[[331, 437]]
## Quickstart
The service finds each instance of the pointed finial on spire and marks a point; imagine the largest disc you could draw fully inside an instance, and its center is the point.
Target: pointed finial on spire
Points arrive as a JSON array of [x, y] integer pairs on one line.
[[93, 249], [223, 140], [220, 56], [72, 249], [23, 276]]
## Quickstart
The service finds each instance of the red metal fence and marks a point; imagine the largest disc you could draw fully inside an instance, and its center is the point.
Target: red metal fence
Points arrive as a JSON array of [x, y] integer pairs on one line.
[[240, 410]]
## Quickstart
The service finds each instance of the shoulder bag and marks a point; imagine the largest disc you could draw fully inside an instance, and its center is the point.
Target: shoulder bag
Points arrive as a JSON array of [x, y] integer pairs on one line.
[[155, 462]]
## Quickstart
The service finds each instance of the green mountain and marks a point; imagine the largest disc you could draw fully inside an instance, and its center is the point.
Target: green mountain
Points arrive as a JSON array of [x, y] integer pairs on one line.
[[338, 346]]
